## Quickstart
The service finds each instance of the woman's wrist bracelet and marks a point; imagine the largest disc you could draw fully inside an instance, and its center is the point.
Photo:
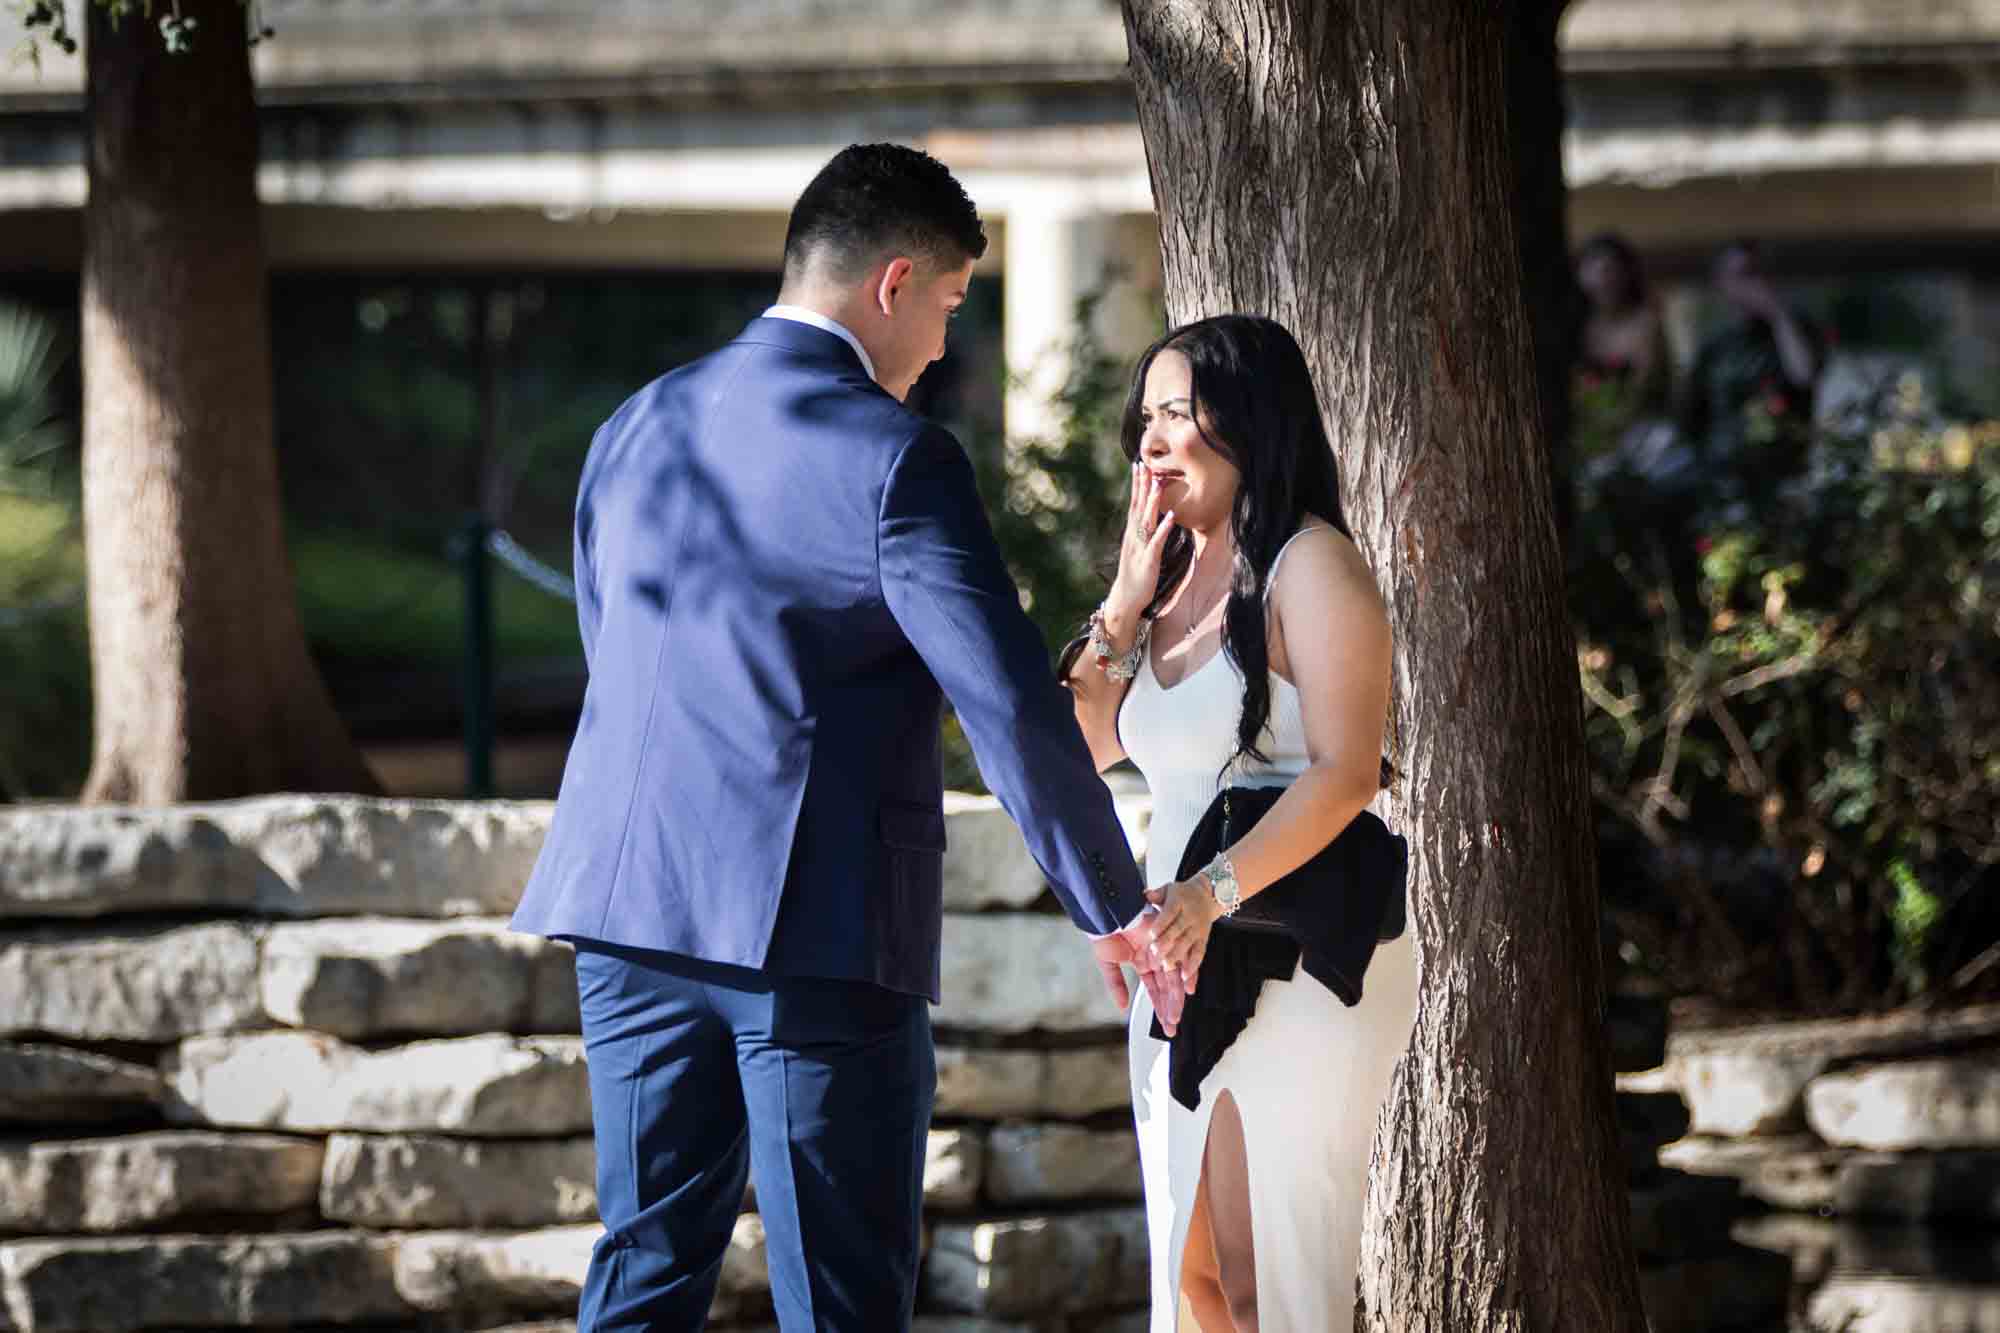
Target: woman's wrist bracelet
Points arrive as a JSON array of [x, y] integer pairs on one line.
[[1221, 876], [1116, 665]]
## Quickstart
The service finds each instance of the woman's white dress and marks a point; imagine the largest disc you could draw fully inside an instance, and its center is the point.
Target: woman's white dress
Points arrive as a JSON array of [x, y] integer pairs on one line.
[[1308, 1073]]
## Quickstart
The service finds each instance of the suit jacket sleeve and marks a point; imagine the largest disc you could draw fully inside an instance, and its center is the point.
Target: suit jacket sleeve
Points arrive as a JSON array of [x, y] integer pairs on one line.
[[949, 590]]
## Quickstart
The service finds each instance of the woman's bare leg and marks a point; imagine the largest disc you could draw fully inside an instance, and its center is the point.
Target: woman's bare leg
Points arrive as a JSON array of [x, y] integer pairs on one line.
[[1225, 1185], [1201, 1280]]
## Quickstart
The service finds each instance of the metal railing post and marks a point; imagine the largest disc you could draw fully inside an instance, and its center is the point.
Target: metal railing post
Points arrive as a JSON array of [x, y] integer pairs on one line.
[[477, 682]]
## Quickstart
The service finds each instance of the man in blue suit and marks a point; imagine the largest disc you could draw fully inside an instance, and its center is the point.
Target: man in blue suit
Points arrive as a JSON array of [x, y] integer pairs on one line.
[[781, 572]]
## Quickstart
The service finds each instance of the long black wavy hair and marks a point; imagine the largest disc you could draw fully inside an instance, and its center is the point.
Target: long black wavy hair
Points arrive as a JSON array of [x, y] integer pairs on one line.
[[1254, 404]]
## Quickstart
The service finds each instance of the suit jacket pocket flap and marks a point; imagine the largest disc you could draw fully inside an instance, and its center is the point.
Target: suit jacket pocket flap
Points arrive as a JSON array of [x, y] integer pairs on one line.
[[915, 828]]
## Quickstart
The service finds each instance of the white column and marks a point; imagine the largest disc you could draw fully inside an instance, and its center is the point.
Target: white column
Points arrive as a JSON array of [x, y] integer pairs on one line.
[[1057, 250], [1041, 280]]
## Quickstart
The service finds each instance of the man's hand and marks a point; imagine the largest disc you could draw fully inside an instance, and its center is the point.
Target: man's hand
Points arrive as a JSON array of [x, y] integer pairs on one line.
[[1112, 953], [1131, 947]]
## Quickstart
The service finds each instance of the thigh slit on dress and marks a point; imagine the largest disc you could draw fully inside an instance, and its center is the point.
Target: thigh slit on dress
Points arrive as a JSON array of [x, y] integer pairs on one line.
[[1308, 1076]]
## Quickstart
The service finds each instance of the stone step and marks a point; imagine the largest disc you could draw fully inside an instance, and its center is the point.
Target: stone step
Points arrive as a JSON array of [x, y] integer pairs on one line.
[[57, 1085], [275, 856], [1739, 1093], [1874, 1303], [142, 1181], [425, 1180], [407, 1181], [445, 1272], [534, 1272], [1796, 1172], [1021, 1266], [1944, 1186], [419, 1279], [299, 856], [1806, 1242], [488, 1087], [1046, 1163], [374, 977], [369, 978], [1747, 1081], [145, 984], [1875, 1037], [955, 1167], [1115, 1321], [1937, 1104], [1020, 972], [1122, 1321], [1804, 1175], [1821, 1247], [986, 862], [994, 1084], [111, 1284]]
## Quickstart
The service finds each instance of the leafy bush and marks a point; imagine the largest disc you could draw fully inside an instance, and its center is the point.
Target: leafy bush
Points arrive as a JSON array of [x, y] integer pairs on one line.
[[1057, 503], [44, 659], [1793, 714]]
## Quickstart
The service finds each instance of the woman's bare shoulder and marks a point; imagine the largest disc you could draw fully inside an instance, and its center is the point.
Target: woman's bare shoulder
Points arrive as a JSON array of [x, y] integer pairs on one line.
[[1324, 567]]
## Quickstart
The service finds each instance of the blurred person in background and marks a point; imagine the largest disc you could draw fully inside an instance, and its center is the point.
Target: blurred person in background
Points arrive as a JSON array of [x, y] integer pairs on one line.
[[1622, 347], [1748, 403]]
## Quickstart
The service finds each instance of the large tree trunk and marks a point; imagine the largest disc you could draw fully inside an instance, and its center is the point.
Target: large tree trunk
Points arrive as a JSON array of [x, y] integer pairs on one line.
[[201, 682], [1345, 169]]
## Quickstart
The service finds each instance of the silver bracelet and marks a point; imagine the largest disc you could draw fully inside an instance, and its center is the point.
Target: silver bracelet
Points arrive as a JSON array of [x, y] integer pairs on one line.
[[1115, 666], [1222, 883]]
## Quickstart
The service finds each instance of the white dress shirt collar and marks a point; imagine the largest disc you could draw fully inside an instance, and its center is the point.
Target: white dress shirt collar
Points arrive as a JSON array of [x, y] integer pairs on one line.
[[798, 314]]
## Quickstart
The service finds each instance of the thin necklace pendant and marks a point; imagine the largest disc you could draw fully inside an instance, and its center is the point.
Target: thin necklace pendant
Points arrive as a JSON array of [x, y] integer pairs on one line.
[[1195, 622]]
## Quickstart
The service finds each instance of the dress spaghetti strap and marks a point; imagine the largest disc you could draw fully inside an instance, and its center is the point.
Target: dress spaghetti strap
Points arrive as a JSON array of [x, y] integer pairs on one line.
[[1271, 579]]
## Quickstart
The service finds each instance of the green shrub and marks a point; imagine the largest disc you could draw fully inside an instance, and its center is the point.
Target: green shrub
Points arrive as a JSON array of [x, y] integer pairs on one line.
[[1793, 714], [44, 658]]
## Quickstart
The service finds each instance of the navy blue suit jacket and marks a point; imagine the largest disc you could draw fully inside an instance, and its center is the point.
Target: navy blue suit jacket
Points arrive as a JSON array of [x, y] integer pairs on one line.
[[777, 567]]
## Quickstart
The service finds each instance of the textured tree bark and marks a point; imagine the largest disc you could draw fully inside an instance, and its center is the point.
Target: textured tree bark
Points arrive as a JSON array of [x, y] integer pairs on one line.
[[1345, 169], [201, 684]]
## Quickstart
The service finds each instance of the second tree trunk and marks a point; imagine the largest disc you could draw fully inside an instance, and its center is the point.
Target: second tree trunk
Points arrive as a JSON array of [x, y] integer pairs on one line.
[[1345, 170], [201, 684]]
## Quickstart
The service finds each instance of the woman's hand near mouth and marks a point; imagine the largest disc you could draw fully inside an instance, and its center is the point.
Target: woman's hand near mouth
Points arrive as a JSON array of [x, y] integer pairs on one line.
[[1148, 522]]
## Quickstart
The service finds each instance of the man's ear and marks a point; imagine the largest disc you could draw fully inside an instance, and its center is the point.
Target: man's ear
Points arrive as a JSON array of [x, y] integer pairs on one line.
[[895, 277]]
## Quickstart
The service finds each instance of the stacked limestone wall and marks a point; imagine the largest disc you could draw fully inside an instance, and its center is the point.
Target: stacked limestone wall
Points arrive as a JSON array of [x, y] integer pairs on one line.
[[1869, 1151], [279, 1062]]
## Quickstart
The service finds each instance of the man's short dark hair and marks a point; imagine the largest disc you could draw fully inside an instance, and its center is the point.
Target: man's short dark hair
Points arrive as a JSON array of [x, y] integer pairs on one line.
[[877, 199]]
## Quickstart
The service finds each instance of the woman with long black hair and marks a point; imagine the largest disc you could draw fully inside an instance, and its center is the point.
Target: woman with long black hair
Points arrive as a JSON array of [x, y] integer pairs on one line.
[[1244, 643]]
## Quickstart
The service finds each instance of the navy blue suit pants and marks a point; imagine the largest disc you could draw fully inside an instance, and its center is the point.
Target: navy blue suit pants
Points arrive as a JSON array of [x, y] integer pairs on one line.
[[703, 1075]]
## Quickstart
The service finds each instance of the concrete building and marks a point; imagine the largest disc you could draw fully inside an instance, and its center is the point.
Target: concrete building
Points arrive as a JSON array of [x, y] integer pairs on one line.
[[673, 135]]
